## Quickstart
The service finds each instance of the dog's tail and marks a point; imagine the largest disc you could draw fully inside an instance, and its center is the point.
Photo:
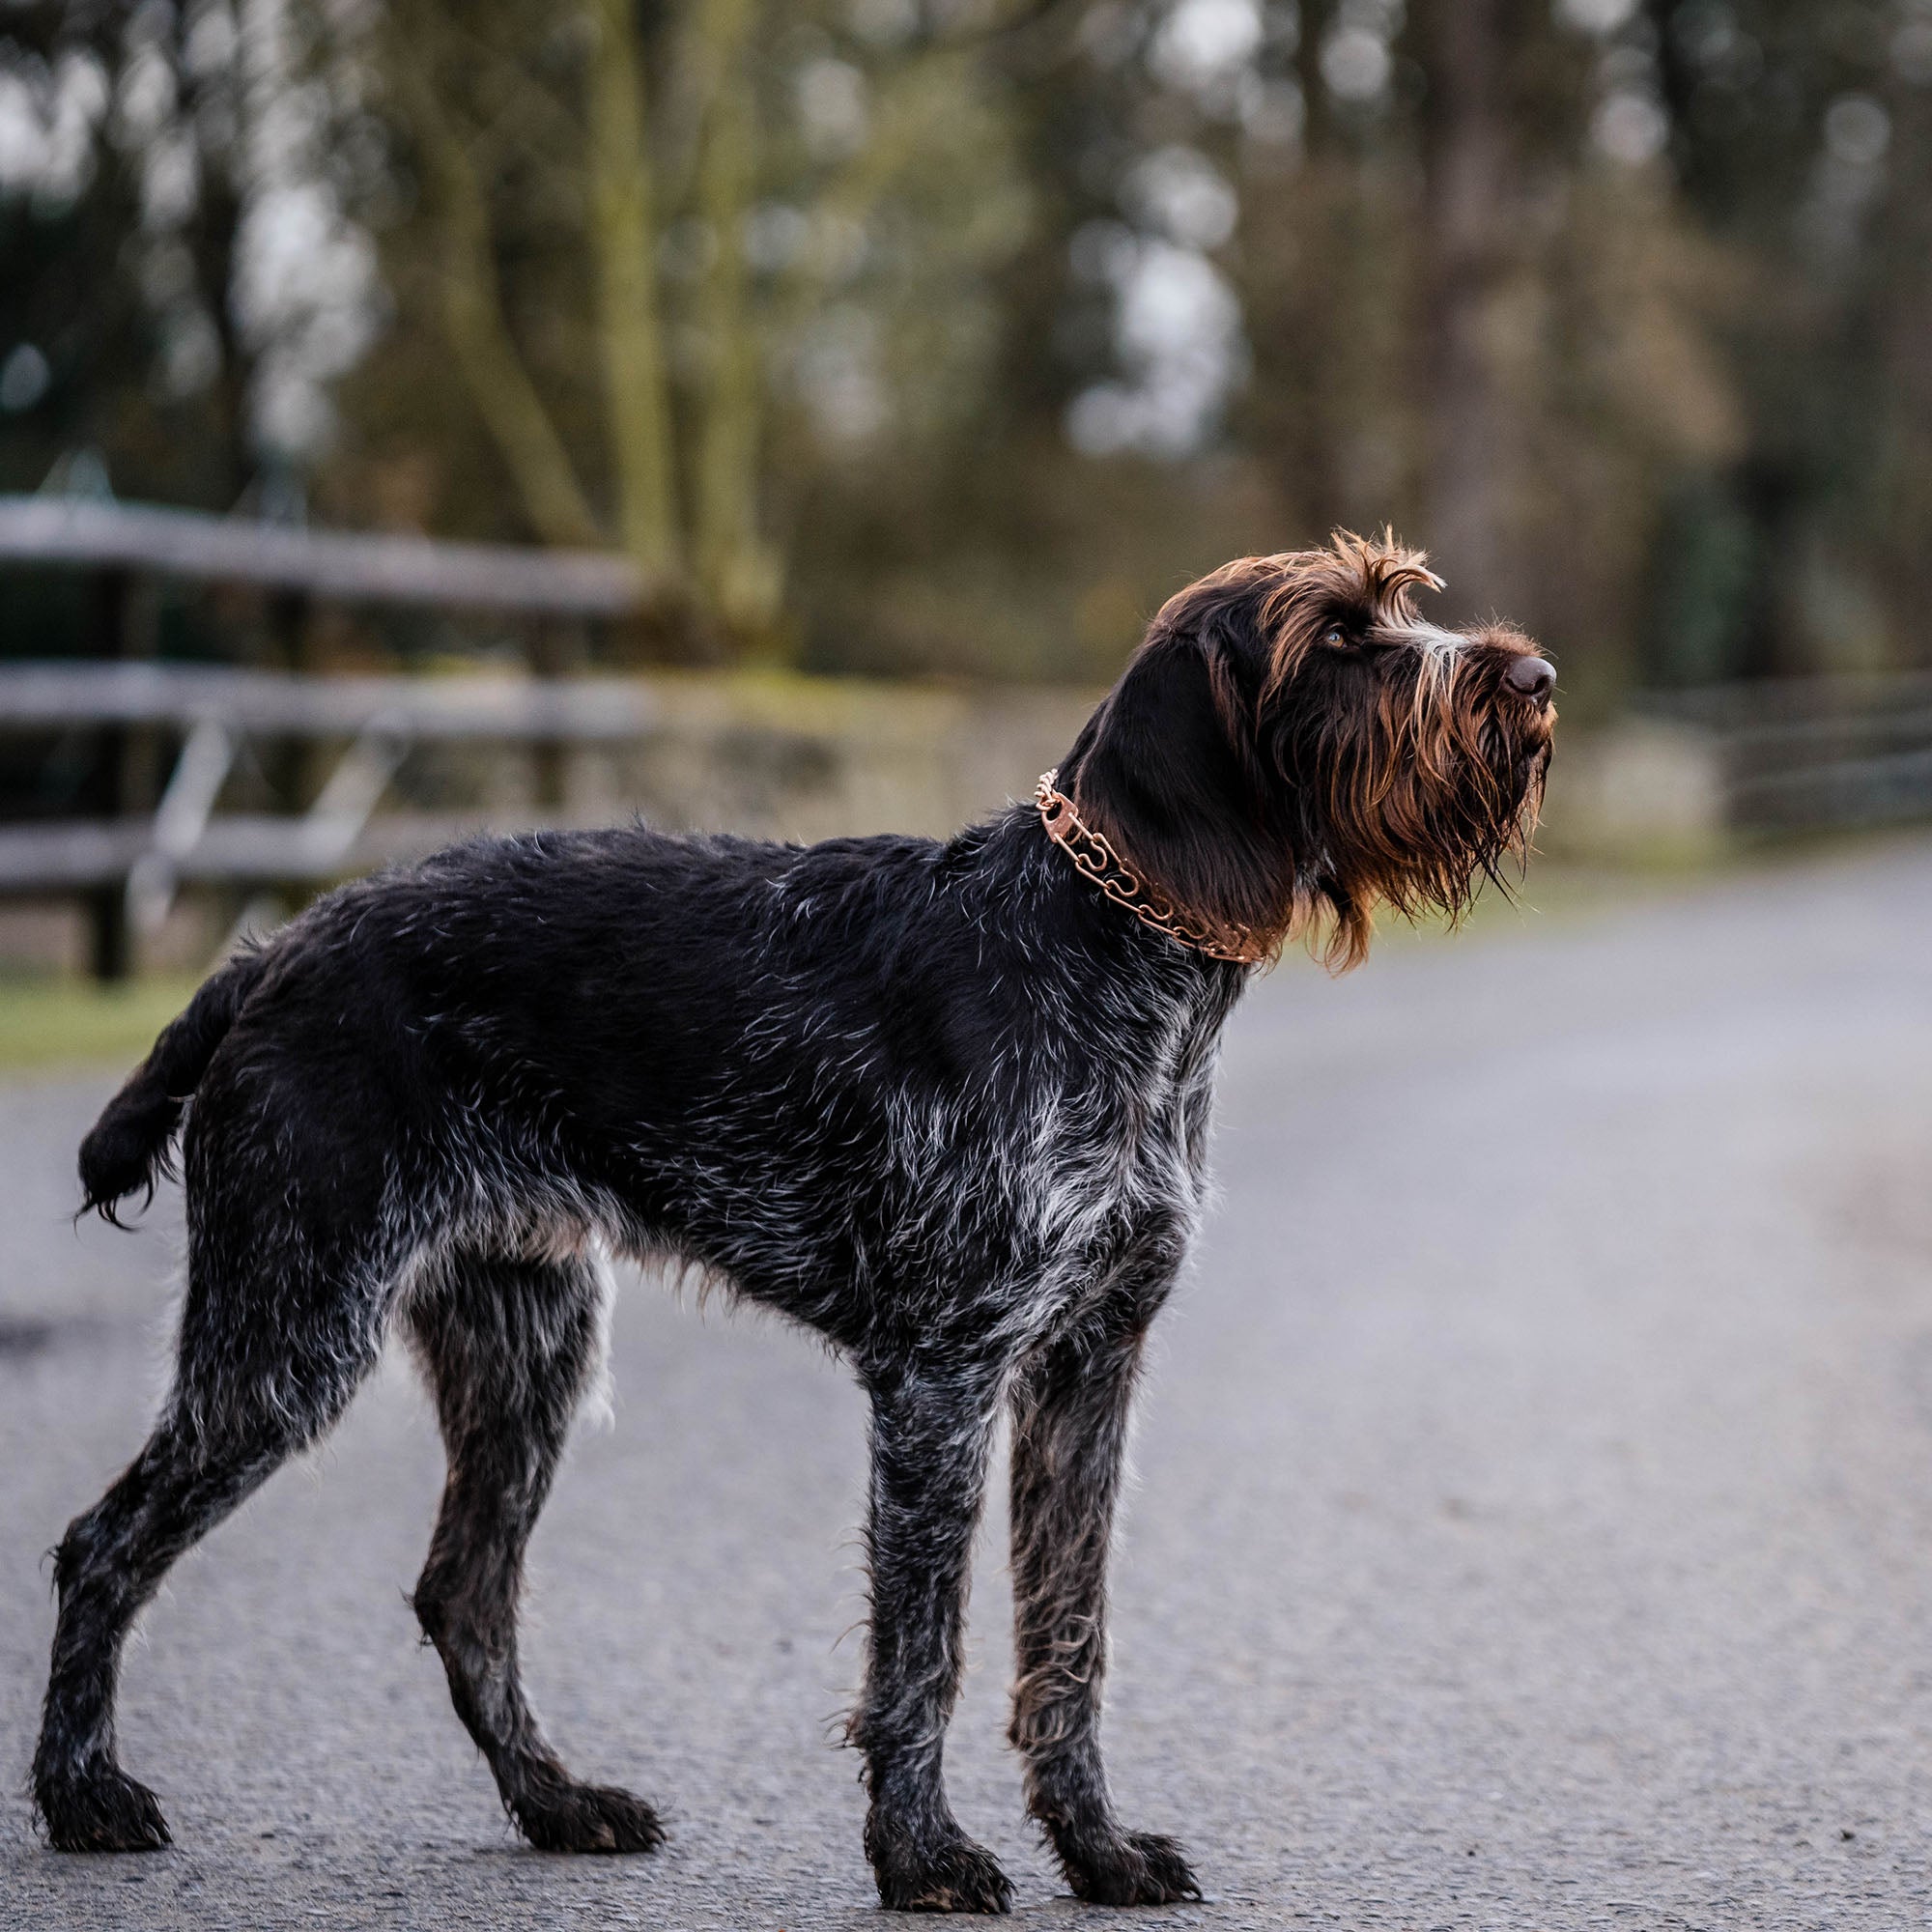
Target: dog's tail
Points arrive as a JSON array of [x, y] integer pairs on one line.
[[130, 1144]]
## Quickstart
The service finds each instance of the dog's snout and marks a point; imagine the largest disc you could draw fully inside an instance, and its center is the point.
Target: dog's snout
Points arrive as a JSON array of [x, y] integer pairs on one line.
[[1534, 677]]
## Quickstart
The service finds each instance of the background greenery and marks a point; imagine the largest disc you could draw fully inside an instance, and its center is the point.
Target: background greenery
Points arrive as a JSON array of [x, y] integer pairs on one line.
[[52, 1023], [914, 336]]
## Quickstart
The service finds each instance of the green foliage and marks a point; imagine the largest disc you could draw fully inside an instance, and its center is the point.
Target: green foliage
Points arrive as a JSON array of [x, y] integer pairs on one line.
[[904, 336], [1708, 562]]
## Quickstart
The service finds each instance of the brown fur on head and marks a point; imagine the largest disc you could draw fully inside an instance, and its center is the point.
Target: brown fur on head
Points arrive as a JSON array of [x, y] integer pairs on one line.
[[1293, 743]]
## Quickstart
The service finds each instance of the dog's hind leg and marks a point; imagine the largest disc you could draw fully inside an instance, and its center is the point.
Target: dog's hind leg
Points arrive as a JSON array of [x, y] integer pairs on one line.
[[259, 1376], [1071, 1413], [509, 1347]]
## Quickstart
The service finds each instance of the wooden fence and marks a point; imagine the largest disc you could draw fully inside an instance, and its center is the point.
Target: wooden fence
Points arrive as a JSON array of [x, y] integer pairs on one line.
[[1686, 770], [131, 850], [1803, 754]]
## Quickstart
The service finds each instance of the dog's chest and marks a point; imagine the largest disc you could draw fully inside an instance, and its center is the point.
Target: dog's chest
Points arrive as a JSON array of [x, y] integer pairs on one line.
[[1110, 1165]]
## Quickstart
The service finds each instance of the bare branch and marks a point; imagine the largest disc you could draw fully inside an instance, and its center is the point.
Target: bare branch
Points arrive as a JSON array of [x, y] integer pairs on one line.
[[738, 572], [472, 311], [623, 240]]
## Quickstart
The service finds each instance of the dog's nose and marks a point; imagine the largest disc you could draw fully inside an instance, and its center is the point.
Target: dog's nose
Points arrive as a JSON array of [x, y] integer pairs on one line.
[[1534, 677]]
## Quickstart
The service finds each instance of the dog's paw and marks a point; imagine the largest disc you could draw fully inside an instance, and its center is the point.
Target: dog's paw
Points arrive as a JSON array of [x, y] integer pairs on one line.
[[588, 1818], [956, 1875], [1130, 1868], [100, 1809]]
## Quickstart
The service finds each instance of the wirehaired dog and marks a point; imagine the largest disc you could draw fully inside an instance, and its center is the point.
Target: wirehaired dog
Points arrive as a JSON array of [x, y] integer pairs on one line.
[[947, 1105]]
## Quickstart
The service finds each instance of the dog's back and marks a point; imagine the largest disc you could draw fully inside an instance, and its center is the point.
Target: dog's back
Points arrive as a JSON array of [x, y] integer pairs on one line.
[[564, 951]]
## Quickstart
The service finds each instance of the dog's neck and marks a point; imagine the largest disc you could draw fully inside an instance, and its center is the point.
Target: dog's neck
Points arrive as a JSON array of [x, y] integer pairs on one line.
[[1096, 860], [1158, 773]]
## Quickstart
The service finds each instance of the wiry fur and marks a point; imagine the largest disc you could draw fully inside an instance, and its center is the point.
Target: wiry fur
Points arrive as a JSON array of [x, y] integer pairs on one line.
[[943, 1103]]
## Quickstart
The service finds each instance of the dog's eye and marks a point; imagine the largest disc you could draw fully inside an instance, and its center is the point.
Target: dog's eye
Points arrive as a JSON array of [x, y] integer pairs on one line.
[[1337, 637]]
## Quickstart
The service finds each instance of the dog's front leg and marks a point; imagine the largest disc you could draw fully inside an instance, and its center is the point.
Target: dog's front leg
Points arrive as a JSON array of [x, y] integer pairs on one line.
[[930, 1439], [1070, 1443]]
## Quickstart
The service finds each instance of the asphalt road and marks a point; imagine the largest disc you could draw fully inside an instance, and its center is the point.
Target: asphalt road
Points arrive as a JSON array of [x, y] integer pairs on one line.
[[1534, 1525]]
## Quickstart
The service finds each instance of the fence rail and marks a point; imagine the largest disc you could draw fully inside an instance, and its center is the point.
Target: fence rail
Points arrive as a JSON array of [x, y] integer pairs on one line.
[[237, 849], [1813, 753], [131, 865], [129, 859], [59, 696], [338, 566]]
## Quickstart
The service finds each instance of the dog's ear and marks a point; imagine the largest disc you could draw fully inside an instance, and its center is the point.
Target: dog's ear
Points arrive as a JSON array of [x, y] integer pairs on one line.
[[1167, 771]]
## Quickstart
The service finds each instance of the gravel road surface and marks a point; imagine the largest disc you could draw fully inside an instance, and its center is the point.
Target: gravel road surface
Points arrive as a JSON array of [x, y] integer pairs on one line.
[[1534, 1526]]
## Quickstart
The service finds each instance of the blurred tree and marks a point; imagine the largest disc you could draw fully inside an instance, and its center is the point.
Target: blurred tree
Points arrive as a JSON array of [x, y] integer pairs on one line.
[[1780, 119], [950, 334], [1475, 313], [739, 207], [119, 212], [1901, 489], [1475, 210]]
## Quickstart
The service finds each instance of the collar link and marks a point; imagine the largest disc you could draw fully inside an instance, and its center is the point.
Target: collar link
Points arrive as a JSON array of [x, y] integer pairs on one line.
[[1096, 860]]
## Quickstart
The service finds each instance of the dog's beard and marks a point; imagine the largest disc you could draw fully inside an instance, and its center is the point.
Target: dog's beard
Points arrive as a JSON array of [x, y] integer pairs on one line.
[[1436, 793]]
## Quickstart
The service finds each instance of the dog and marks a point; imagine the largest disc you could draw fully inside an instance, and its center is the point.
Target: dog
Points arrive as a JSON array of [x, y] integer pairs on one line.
[[943, 1104]]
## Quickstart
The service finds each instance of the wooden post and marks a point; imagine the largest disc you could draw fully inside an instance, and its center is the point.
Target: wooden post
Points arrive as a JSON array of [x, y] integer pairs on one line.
[[295, 758], [123, 627], [556, 650], [294, 762]]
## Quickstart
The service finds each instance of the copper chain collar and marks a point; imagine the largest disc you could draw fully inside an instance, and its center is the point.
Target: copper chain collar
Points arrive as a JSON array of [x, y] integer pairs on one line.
[[1097, 861]]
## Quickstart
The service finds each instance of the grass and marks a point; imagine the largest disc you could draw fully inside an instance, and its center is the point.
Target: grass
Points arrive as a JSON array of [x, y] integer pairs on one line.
[[52, 1022]]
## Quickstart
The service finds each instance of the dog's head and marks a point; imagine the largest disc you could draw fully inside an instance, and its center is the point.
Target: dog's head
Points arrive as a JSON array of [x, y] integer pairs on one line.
[[1291, 740]]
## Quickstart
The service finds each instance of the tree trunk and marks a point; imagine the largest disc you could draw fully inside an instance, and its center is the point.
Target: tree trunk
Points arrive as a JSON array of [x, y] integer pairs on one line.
[[1902, 557], [624, 241], [739, 574], [473, 317], [1476, 446]]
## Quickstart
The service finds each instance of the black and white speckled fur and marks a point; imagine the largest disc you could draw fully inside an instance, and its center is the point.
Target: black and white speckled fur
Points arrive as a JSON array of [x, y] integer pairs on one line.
[[942, 1104]]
